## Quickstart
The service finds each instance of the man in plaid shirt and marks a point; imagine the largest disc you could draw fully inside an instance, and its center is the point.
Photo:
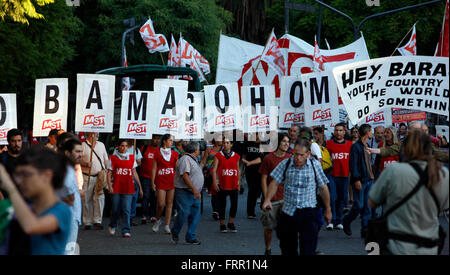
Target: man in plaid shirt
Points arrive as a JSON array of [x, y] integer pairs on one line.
[[298, 219]]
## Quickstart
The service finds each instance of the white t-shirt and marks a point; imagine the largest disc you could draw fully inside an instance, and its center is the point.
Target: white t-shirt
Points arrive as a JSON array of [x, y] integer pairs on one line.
[[315, 150]]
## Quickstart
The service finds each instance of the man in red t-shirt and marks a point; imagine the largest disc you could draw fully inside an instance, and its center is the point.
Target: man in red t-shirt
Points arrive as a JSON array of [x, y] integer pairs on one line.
[[269, 218], [339, 149], [149, 200]]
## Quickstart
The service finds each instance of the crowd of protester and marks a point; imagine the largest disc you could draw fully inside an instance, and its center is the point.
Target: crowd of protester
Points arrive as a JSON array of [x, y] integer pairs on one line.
[[304, 184]]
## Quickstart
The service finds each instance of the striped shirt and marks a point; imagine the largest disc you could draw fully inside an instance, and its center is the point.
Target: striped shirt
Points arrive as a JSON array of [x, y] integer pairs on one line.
[[299, 185]]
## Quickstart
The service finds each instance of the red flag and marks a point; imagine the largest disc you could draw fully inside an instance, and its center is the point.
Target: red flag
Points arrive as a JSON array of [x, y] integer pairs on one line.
[[126, 85], [443, 49], [153, 41], [411, 47], [317, 58], [273, 56]]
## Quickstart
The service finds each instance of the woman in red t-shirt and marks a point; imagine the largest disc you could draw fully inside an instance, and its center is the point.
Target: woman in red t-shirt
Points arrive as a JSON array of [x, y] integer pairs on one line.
[[163, 176], [226, 169], [121, 172]]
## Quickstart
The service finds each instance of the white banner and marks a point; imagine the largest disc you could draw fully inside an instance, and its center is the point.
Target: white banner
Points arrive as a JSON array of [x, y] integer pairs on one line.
[[8, 115], [292, 110], [193, 127], [50, 105], [321, 99], [223, 109], [95, 103], [409, 82], [259, 111], [135, 115], [169, 103]]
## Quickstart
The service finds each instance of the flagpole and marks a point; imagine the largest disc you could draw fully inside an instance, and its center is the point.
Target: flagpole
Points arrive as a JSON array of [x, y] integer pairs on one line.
[[403, 38], [162, 59], [259, 61]]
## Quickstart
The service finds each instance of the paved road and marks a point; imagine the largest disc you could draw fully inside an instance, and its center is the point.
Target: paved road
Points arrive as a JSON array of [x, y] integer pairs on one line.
[[247, 241]]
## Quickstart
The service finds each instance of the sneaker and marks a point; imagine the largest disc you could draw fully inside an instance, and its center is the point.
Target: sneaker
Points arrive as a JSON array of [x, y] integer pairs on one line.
[[111, 230], [268, 252], [339, 227], [194, 242], [223, 228], [153, 219], [155, 227], [126, 235], [167, 229], [251, 217], [232, 227], [174, 238], [215, 216], [330, 227], [144, 220], [98, 226]]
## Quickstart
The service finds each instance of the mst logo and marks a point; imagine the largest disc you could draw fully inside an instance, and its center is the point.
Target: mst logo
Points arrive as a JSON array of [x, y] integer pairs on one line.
[[293, 117], [319, 114], [52, 124], [168, 123], [166, 171], [377, 117], [190, 128], [94, 120], [229, 172], [225, 120], [124, 172], [4, 133], [137, 128], [259, 121]]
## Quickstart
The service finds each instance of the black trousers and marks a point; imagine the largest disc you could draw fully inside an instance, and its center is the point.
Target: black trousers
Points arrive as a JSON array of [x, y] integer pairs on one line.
[[254, 191], [223, 194], [298, 231]]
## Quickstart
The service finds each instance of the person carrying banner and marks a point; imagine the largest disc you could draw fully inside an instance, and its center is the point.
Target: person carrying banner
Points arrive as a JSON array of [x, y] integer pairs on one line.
[[149, 152], [303, 179], [122, 173], [339, 149], [361, 180], [226, 182], [163, 174], [38, 173], [93, 204], [252, 158], [208, 158], [269, 218]]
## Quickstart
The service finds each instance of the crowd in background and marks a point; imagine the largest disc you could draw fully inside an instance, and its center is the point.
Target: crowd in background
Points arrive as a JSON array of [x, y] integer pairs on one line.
[[304, 184]]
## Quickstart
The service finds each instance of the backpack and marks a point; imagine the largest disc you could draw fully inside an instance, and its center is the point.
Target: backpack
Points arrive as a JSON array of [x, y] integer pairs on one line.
[[327, 161]]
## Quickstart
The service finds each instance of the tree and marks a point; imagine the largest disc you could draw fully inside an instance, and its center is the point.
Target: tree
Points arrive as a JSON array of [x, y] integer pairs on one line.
[[199, 21], [18, 10], [38, 50]]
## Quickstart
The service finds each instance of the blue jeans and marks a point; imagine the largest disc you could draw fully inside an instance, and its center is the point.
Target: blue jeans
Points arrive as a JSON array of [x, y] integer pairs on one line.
[[134, 200], [149, 198], [332, 190], [341, 188], [188, 209], [121, 202], [360, 205]]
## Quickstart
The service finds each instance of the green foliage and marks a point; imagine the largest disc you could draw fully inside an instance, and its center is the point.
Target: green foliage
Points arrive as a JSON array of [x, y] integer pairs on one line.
[[18, 10], [199, 21], [382, 34], [37, 50]]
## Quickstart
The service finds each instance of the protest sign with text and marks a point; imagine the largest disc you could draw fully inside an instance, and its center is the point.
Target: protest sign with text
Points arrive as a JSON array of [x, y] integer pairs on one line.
[[8, 115], [193, 127], [135, 115], [408, 82], [223, 110], [321, 99], [259, 111], [292, 110], [50, 105], [95, 103]]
